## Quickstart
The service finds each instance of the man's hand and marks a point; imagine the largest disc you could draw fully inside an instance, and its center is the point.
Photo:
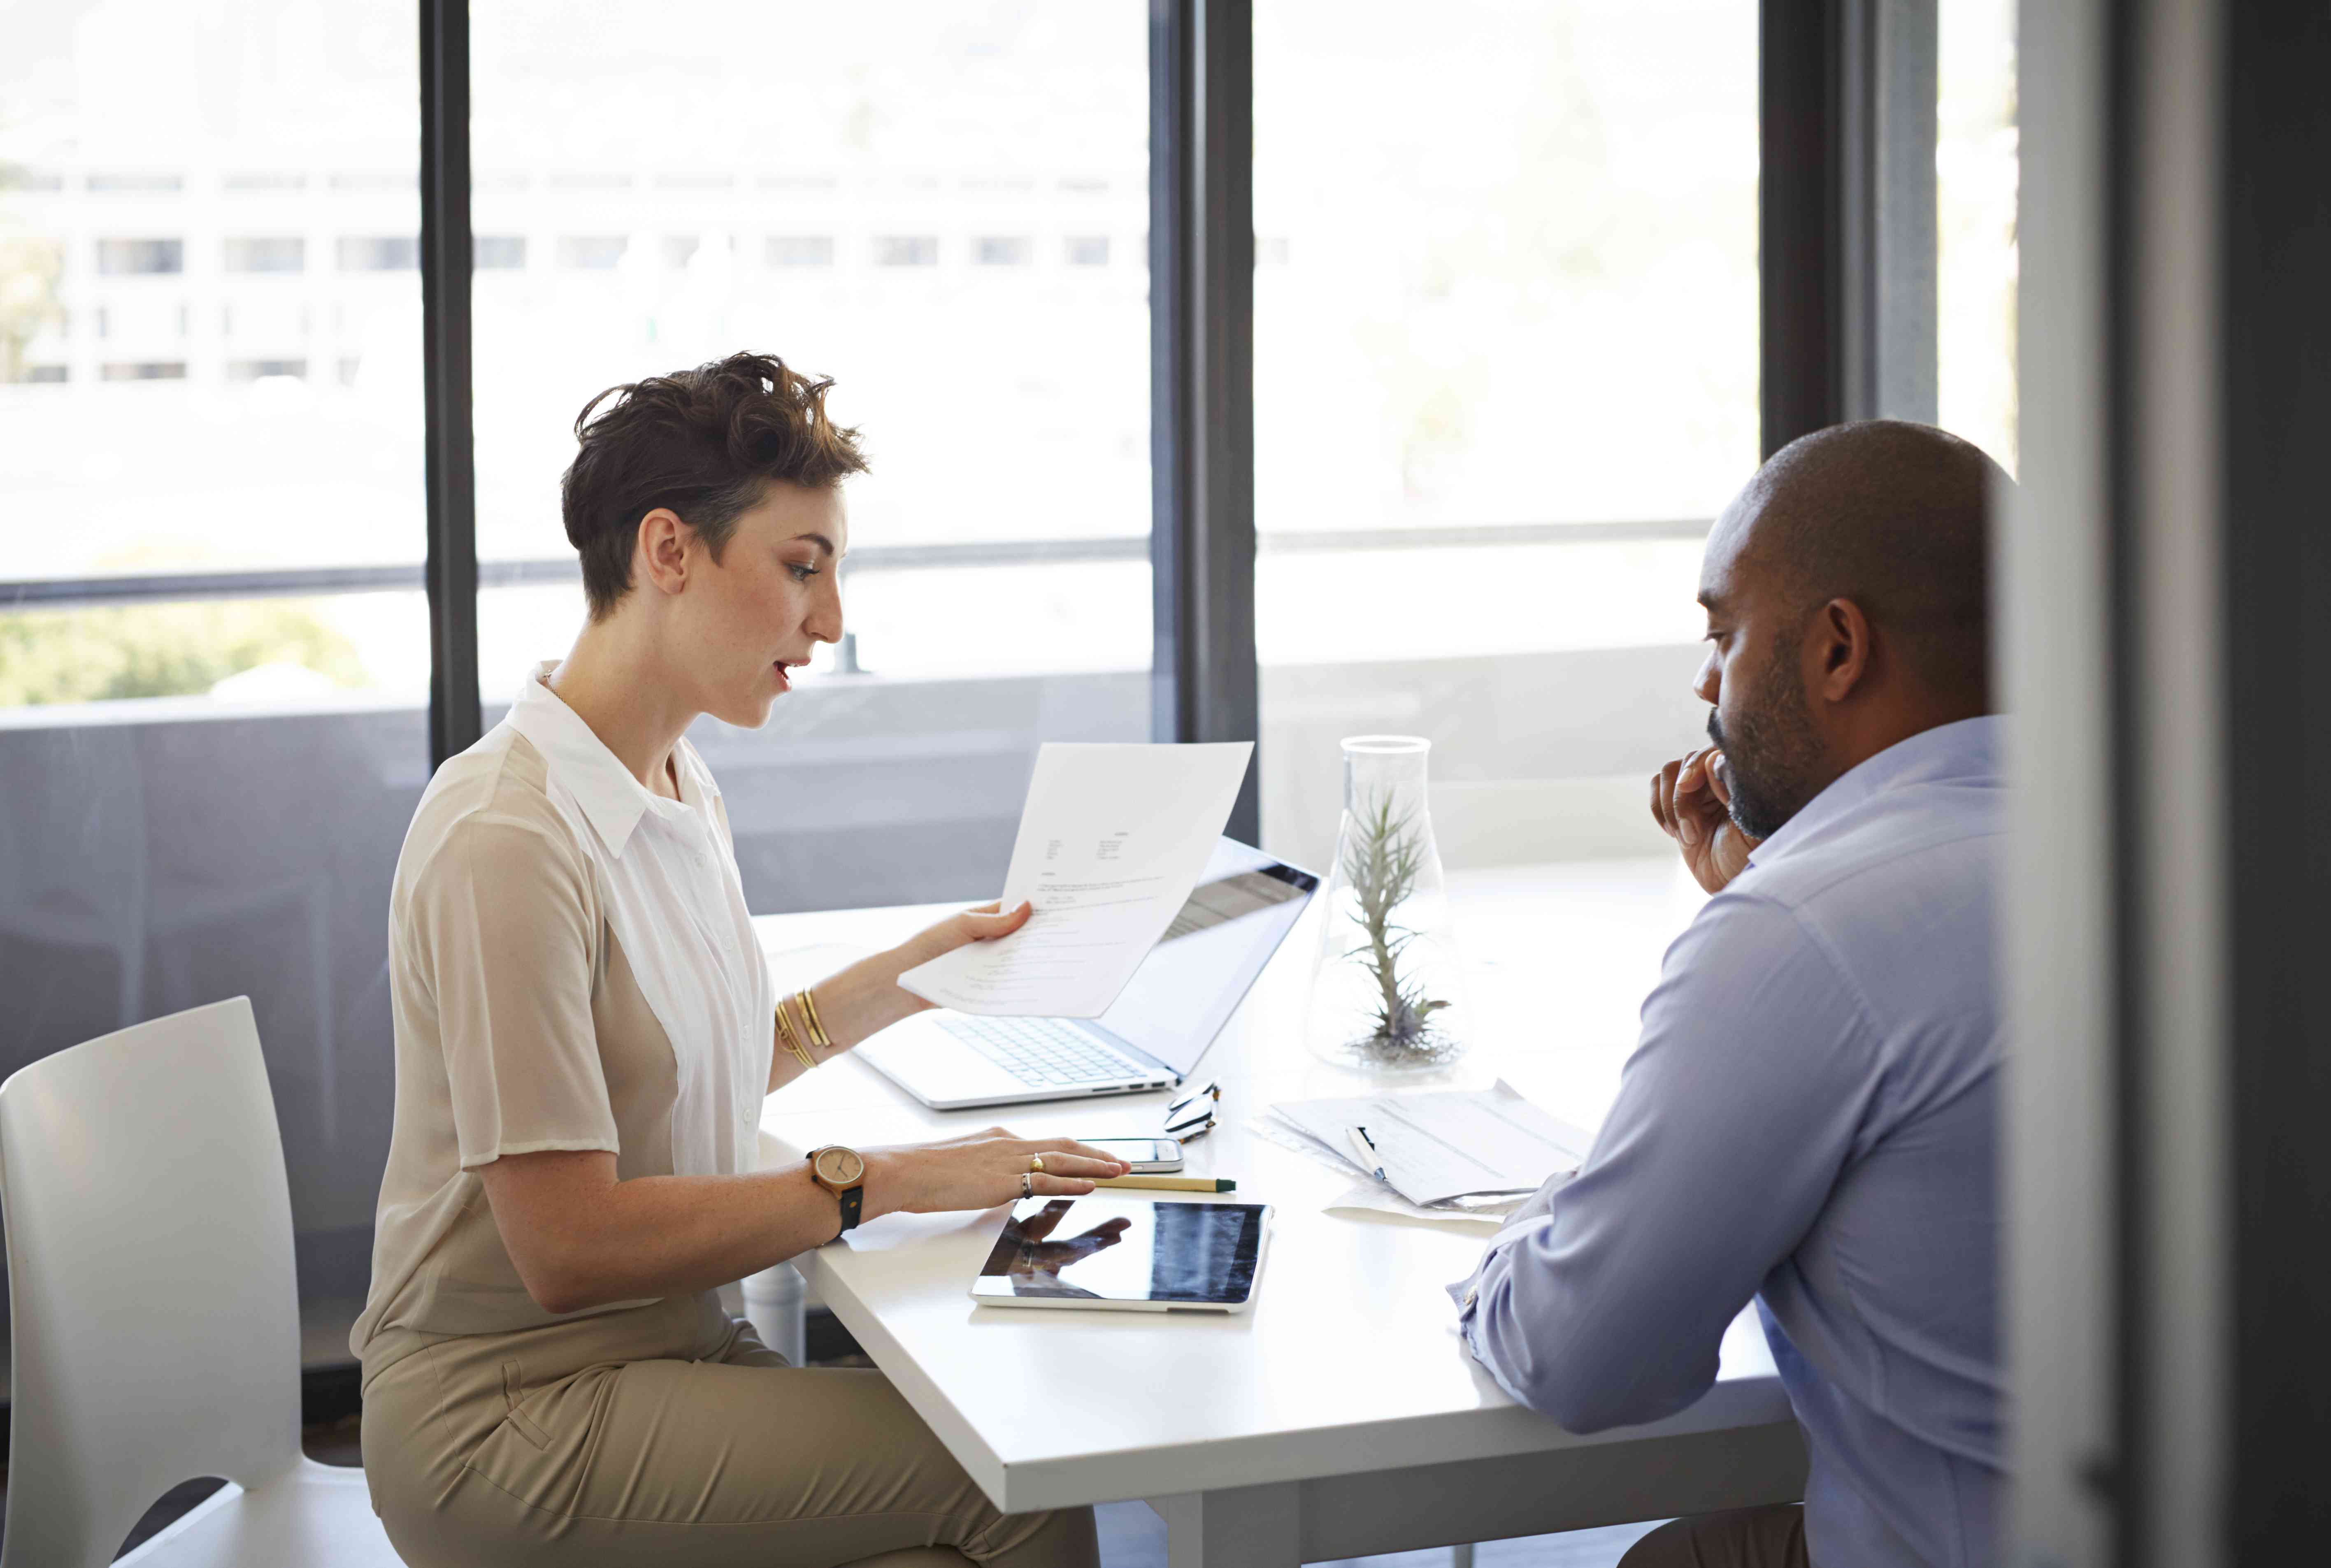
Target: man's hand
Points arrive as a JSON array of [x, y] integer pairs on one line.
[[1689, 801]]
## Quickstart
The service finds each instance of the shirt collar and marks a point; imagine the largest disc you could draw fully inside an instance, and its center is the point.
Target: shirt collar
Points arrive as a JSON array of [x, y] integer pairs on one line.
[[611, 798], [1967, 748]]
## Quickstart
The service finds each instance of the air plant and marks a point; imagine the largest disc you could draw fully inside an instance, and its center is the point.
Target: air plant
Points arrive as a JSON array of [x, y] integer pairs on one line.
[[1383, 851]]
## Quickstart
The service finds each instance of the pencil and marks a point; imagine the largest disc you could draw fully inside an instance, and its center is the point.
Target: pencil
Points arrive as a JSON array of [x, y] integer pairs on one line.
[[1172, 1184]]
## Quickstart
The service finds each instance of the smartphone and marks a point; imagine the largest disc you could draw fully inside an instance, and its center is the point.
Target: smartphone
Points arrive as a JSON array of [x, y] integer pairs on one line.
[[1144, 1154]]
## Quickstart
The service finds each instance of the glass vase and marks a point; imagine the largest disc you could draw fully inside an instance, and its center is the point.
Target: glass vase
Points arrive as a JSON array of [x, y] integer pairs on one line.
[[1386, 992]]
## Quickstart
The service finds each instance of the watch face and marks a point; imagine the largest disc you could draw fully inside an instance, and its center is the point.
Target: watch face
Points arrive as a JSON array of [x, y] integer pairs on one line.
[[841, 1167]]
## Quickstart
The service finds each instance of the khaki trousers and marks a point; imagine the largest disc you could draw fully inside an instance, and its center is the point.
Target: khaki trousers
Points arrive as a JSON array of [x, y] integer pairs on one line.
[[1772, 1537], [669, 1434]]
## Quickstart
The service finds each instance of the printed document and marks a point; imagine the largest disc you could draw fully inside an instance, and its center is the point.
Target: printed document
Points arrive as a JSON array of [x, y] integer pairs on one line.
[[1434, 1147], [1112, 842]]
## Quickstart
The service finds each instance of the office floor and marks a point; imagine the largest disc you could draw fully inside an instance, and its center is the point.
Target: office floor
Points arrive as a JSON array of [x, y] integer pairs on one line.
[[1131, 1535]]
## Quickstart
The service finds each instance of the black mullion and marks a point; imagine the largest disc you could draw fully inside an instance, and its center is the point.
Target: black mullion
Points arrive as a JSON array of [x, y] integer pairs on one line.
[[1845, 213], [1171, 26], [1800, 257], [450, 574], [2275, 253], [1202, 334]]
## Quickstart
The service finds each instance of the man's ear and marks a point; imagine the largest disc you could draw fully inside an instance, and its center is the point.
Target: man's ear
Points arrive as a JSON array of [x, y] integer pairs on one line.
[[660, 555], [1841, 648]]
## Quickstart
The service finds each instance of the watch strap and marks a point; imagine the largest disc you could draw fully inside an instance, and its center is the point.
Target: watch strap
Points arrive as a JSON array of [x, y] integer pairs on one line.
[[852, 1200]]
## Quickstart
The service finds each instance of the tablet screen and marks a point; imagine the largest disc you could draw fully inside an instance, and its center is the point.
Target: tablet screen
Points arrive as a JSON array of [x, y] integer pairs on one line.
[[1105, 1248]]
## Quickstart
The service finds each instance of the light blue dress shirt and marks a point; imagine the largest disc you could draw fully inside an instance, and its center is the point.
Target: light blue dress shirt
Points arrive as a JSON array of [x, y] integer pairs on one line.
[[1811, 1118]]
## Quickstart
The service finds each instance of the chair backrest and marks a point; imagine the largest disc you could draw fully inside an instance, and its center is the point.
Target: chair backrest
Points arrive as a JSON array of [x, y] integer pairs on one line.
[[157, 1333]]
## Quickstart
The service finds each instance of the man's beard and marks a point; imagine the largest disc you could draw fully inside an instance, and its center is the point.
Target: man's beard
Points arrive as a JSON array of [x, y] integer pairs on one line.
[[1771, 758]]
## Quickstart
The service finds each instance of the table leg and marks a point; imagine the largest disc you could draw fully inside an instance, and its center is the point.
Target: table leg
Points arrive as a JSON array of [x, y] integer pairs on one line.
[[1237, 1528], [775, 1305]]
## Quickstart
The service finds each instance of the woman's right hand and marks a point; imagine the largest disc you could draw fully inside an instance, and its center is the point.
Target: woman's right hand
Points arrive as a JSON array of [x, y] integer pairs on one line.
[[980, 1170]]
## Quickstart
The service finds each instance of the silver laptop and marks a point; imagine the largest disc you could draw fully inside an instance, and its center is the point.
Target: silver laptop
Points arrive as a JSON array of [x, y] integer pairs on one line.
[[1152, 1035]]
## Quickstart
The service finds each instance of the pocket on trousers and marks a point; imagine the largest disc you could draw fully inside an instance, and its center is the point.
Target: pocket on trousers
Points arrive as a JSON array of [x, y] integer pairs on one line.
[[541, 1450], [514, 1398]]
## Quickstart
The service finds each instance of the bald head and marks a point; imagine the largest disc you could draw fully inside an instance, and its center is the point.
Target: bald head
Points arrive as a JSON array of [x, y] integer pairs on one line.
[[1892, 516]]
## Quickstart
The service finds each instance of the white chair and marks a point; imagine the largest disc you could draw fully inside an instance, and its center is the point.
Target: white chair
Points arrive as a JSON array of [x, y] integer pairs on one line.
[[156, 1334]]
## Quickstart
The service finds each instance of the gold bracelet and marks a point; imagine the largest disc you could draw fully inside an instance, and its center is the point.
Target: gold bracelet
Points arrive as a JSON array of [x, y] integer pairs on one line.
[[785, 1033], [817, 1035]]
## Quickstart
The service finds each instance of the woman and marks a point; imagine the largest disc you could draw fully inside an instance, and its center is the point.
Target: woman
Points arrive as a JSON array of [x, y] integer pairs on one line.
[[585, 1030]]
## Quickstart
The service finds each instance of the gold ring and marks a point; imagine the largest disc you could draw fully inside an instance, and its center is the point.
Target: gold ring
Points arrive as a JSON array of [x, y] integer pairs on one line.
[[1036, 1163]]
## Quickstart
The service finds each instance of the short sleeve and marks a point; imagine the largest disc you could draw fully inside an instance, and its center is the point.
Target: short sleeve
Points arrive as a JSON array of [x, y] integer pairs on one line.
[[501, 929]]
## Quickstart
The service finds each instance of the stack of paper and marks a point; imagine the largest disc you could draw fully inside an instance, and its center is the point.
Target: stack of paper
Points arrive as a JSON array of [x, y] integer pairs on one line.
[[1436, 1148]]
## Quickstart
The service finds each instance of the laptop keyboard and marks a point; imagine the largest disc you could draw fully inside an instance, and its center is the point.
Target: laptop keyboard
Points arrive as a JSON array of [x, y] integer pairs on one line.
[[1040, 1051]]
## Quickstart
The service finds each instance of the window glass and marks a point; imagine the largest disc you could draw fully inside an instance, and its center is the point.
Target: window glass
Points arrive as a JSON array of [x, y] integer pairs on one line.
[[940, 205], [378, 253], [210, 419], [266, 253], [184, 389], [140, 258], [1506, 365], [1977, 164], [801, 250]]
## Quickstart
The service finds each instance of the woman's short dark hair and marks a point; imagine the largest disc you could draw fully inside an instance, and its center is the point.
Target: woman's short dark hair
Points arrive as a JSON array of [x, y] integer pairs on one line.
[[704, 442]]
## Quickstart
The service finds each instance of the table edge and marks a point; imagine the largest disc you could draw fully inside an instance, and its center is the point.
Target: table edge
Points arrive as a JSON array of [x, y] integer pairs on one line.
[[1359, 1448]]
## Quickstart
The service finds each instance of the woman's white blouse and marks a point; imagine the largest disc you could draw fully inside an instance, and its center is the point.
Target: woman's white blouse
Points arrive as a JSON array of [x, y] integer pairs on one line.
[[667, 870], [570, 967]]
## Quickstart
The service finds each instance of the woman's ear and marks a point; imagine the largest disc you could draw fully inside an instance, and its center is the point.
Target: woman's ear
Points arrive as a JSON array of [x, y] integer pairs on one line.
[[660, 554]]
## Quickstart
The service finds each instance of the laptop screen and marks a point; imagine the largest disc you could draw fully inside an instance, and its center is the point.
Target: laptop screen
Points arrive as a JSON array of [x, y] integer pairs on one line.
[[1195, 978]]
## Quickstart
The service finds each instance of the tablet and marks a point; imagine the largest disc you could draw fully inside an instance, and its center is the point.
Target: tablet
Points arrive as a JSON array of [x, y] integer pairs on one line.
[[1126, 1254]]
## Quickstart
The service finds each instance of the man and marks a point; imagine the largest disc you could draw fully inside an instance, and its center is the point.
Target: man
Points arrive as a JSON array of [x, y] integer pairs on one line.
[[1810, 1116]]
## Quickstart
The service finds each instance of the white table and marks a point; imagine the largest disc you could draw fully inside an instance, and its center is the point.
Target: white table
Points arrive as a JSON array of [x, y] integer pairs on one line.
[[1342, 1415]]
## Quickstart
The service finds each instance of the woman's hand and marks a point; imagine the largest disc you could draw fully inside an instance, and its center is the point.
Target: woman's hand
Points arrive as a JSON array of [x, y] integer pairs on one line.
[[979, 1172], [984, 923], [866, 997]]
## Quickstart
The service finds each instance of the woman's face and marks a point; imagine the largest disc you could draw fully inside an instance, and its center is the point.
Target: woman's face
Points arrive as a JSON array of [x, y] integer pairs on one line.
[[774, 594]]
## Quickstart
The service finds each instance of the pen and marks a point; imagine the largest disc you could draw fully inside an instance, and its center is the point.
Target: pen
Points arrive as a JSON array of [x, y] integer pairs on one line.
[[1370, 1161], [1172, 1184]]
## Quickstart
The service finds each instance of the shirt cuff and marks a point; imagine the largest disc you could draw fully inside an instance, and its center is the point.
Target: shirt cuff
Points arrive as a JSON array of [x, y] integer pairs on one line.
[[1466, 1291]]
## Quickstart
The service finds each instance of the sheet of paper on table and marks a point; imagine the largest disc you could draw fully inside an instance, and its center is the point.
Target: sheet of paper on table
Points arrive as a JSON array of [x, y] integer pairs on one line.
[[1368, 1196], [1446, 1144], [1373, 1197], [1112, 839]]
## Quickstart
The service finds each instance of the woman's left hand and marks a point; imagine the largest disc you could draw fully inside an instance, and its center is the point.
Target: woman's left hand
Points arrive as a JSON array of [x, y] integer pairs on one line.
[[984, 923]]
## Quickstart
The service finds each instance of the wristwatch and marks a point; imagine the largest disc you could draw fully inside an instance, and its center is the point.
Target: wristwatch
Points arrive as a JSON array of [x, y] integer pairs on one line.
[[841, 1171]]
